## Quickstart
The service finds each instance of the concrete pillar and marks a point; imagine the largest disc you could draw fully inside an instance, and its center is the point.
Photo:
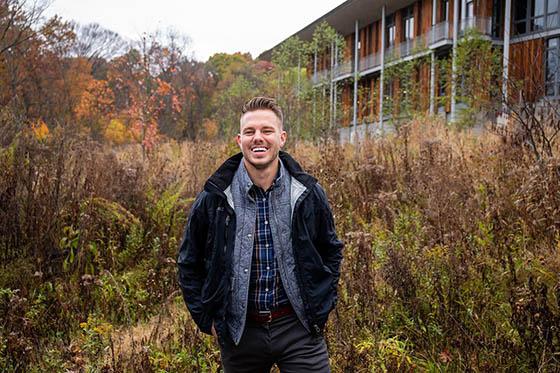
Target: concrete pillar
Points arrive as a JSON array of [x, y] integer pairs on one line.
[[454, 61], [334, 83], [433, 63], [331, 121], [356, 60], [334, 104], [381, 74], [433, 84], [505, 77]]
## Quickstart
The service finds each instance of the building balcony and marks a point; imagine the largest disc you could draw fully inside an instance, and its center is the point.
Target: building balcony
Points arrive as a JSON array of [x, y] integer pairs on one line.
[[370, 61], [406, 48], [320, 76], [480, 24], [343, 68], [439, 32]]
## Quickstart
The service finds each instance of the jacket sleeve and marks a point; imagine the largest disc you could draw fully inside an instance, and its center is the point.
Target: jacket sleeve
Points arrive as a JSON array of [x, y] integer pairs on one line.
[[191, 266], [328, 242]]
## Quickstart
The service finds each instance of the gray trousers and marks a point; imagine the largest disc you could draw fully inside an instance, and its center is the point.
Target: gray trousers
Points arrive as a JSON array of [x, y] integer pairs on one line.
[[284, 342]]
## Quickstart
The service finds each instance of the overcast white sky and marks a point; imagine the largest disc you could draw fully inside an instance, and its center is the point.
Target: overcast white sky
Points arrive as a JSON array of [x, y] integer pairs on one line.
[[213, 25]]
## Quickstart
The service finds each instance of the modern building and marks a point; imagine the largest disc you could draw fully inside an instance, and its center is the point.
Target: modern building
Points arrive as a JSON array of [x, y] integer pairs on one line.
[[381, 33]]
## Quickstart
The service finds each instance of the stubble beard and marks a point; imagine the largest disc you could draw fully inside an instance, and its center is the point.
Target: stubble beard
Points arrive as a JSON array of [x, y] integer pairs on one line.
[[263, 166]]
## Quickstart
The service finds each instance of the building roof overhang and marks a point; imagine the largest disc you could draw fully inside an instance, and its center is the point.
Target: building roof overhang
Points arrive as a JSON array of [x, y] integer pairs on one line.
[[343, 18]]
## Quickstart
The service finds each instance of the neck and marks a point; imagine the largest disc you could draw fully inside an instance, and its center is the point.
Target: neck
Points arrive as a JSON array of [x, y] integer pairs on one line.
[[262, 177]]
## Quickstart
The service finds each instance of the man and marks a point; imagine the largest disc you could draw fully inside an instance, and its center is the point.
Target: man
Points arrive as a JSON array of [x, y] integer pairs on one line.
[[259, 263]]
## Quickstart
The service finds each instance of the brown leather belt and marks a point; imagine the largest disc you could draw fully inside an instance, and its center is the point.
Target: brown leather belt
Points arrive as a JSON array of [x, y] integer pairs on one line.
[[263, 317]]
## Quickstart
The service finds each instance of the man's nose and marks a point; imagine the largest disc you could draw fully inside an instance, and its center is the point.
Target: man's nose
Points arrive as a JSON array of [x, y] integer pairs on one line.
[[258, 136]]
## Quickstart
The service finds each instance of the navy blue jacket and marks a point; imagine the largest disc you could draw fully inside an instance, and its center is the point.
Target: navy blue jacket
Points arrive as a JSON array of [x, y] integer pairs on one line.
[[205, 254]]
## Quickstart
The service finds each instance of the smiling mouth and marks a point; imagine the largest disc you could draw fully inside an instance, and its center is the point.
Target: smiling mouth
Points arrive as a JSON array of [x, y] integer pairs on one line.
[[259, 149]]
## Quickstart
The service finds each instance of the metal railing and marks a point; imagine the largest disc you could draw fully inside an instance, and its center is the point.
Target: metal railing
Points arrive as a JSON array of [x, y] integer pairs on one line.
[[481, 24], [370, 61], [320, 76], [406, 48], [439, 32], [343, 68]]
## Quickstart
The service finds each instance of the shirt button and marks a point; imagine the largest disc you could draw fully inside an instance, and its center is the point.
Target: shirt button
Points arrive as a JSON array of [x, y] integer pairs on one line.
[[249, 235], [264, 199], [245, 270], [266, 289], [266, 245], [268, 268], [266, 221]]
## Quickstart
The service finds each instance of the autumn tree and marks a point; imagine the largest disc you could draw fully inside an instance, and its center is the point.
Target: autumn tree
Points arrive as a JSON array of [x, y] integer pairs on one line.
[[292, 86], [195, 86], [98, 45], [18, 19], [236, 82]]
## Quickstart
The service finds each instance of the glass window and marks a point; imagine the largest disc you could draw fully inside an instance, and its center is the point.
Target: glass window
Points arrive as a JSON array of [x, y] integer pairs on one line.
[[552, 66], [552, 19], [537, 24], [391, 30], [538, 8], [470, 9], [445, 11], [496, 18], [535, 15], [410, 28], [408, 23], [520, 28], [520, 10]]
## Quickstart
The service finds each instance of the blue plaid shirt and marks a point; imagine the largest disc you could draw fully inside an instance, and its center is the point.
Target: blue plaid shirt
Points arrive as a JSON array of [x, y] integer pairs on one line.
[[265, 287]]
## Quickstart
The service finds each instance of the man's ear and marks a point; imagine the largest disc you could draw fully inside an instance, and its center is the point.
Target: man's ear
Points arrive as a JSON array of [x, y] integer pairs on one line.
[[238, 140], [283, 138]]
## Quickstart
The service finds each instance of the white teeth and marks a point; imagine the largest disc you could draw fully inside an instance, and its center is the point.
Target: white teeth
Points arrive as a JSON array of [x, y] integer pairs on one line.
[[259, 150]]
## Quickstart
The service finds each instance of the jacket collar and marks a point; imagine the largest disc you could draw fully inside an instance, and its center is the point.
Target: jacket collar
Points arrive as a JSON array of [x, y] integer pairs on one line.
[[222, 178]]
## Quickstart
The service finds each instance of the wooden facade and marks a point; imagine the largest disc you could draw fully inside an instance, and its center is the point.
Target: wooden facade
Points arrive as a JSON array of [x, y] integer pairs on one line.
[[527, 58], [527, 67]]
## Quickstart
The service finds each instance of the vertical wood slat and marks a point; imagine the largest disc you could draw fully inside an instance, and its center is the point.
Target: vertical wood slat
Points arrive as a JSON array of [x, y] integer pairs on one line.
[[399, 27], [348, 47], [417, 19], [426, 19], [376, 36], [527, 65], [483, 8]]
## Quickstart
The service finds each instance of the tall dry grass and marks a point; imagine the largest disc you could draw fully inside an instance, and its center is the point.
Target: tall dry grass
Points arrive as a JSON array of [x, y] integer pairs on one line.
[[452, 255]]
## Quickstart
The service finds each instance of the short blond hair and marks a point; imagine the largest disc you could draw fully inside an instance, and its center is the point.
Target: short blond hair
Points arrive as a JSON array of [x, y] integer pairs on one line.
[[263, 103]]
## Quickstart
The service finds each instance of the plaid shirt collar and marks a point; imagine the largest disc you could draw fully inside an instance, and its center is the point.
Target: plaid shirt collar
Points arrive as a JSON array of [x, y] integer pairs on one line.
[[247, 184]]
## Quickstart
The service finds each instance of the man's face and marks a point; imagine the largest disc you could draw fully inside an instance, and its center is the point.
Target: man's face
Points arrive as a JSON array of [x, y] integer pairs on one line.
[[261, 137]]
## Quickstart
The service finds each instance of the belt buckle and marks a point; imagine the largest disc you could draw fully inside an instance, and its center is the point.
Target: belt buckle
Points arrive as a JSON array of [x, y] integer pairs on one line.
[[266, 316]]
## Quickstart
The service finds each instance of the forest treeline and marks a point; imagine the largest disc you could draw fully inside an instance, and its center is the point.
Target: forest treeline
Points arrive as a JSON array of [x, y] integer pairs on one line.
[[56, 73]]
